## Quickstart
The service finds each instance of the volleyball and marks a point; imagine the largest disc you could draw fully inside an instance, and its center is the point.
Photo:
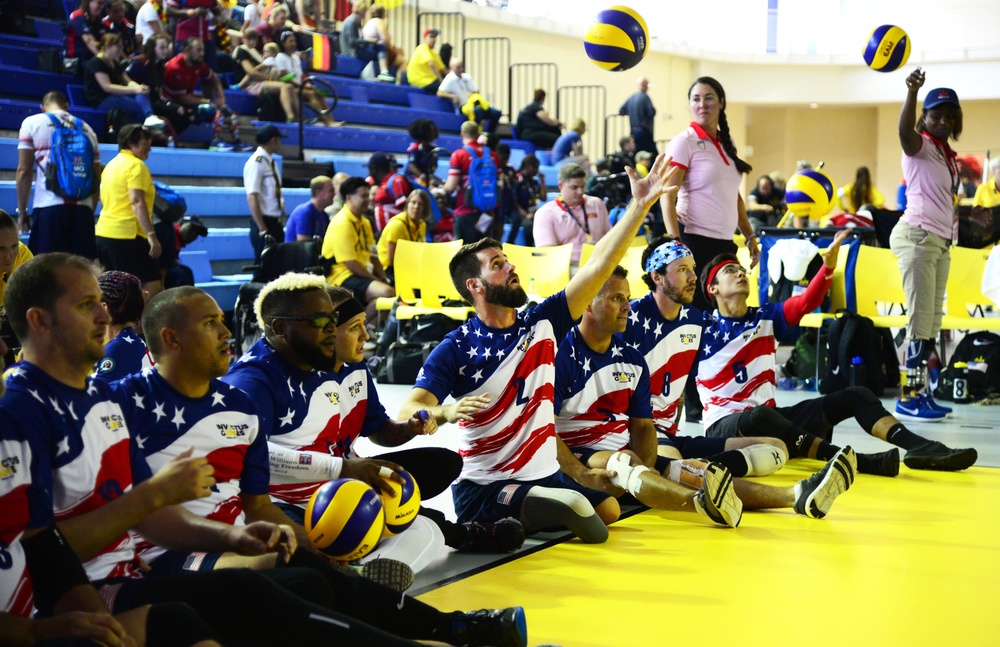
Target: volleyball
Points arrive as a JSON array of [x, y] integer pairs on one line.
[[344, 519], [888, 49], [617, 39], [401, 506], [810, 194]]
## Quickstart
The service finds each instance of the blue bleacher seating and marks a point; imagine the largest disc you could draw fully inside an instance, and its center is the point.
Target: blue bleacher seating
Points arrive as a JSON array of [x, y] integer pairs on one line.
[[77, 98], [50, 31], [423, 101], [199, 263], [14, 56]]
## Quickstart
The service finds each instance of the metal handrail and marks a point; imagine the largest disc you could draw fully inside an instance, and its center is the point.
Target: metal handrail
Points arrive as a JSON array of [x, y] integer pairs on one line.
[[302, 113]]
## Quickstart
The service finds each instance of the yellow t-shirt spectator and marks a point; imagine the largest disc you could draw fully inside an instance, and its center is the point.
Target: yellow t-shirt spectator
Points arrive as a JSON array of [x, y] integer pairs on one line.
[[987, 195], [117, 220], [847, 205], [348, 237], [23, 256], [420, 69], [399, 227]]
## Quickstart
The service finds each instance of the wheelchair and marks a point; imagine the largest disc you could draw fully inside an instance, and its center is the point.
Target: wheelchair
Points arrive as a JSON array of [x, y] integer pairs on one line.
[[277, 258]]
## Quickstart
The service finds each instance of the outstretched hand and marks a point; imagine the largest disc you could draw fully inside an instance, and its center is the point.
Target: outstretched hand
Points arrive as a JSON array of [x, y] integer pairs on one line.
[[915, 80], [648, 190], [830, 253]]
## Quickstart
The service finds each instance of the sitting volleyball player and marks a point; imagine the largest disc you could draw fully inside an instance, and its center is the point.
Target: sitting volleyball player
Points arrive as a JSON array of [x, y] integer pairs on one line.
[[501, 367], [605, 418], [736, 379], [295, 378], [125, 351]]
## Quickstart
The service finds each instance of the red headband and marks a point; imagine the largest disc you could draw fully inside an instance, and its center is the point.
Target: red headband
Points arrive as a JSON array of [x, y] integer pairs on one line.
[[715, 270]]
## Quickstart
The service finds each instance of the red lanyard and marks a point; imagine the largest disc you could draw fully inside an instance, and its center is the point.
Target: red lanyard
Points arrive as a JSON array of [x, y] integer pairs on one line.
[[583, 206]]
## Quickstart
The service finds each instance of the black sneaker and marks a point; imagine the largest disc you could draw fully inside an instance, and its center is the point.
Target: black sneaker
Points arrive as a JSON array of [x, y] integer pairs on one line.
[[504, 536], [716, 499], [883, 464], [388, 572], [815, 495], [933, 455], [494, 627]]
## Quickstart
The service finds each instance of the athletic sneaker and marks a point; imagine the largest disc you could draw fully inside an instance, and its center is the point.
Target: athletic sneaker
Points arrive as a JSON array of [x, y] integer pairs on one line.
[[243, 147], [917, 409], [933, 455], [392, 573], [154, 123], [504, 536], [386, 77], [716, 498], [882, 464], [815, 495], [221, 146], [932, 403], [495, 627]]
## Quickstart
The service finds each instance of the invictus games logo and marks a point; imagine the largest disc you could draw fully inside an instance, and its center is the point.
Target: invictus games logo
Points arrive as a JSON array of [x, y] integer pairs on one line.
[[354, 389], [688, 338], [523, 346], [622, 377], [8, 467], [114, 422], [747, 335], [333, 397], [232, 431], [106, 365]]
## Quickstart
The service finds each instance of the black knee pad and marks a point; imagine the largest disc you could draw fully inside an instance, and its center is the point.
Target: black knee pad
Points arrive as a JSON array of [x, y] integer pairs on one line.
[[172, 624]]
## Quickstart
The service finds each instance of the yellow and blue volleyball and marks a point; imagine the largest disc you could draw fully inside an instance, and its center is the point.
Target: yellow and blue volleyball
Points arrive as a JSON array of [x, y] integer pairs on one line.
[[401, 507], [617, 39], [810, 194], [888, 49], [344, 519]]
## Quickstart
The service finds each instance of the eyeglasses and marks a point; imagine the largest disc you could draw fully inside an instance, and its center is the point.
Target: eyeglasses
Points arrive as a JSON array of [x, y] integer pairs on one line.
[[319, 320], [733, 268]]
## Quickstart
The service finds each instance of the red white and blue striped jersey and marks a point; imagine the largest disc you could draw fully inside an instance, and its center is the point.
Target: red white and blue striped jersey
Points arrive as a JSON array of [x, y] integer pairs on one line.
[[124, 355], [598, 393], [80, 440], [736, 372], [361, 412], [669, 348], [221, 426], [514, 437]]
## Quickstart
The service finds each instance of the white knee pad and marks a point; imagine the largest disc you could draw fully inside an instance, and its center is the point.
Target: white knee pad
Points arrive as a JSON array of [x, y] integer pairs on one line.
[[763, 459], [626, 475], [546, 507]]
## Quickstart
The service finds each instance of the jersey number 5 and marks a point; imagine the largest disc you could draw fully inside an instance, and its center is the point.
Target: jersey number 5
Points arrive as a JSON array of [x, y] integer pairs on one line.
[[740, 371]]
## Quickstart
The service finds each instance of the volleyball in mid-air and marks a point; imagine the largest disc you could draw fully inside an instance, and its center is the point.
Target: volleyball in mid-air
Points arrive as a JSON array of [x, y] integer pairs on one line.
[[810, 194], [401, 507], [344, 519], [888, 49], [617, 39]]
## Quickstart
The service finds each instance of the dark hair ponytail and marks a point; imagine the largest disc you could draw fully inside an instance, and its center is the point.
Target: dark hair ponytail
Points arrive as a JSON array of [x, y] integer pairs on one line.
[[724, 136]]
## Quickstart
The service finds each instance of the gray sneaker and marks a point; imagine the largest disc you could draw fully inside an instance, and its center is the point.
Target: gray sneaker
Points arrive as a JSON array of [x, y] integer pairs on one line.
[[388, 572], [815, 495], [716, 498]]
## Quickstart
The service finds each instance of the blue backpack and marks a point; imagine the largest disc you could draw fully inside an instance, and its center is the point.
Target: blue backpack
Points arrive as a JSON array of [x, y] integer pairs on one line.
[[70, 171], [482, 189], [168, 205]]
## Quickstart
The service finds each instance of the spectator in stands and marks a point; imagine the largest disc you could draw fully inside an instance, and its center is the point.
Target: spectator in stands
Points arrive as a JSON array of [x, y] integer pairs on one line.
[[529, 193], [125, 352], [569, 146], [353, 43], [459, 88], [181, 74], [393, 188], [765, 204], [410, 225], [83, 31], [262, 182], [392, 60], [506, 188], [309, 219], [251, 15], [148, 22], [349, 240], [175, 236], [270, 29], [988, 193], [422, 157], [471, 224], [256, 79], [193, 19], [56, 224], [536, 126], [572, 217], [116, 23], [12, 251], [426, 69], [148, 69], [289, 61], [854, 195], [126, 240], [107, 86], [338, 200], [626, 152], [640, 111]]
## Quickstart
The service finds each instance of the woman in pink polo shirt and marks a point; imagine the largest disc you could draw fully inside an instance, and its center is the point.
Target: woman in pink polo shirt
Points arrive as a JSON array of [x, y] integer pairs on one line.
[[922, 238], [709, 207]]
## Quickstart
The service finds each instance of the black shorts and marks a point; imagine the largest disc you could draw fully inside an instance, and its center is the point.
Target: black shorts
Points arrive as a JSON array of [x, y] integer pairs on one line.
[[693, 446], [491, 502], [359, 286], [806, 415], [130, 256]]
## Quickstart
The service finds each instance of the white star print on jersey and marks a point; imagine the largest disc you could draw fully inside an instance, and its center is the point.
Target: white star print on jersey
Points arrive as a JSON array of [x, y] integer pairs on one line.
[[514, 437], [736, 372], [669, 348], [597, 393]]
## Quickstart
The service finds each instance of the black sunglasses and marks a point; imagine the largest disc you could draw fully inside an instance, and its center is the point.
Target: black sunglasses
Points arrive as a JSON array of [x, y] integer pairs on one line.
[[318, 320]]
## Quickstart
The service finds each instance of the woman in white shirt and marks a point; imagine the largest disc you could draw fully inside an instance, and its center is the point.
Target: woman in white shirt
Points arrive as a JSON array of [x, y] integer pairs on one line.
[[390, 57], [289, 61]]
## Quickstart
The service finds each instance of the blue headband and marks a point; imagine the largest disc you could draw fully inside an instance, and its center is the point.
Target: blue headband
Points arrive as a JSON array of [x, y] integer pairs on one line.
[[666, 254]]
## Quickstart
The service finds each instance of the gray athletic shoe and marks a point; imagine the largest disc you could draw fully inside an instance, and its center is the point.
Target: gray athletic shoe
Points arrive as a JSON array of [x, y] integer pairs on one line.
[[716, 498], [388, 572], [815, 495]]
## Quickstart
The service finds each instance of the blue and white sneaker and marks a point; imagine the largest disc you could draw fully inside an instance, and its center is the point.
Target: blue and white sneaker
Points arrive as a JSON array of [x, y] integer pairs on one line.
[[932, 403], [221, 146], [243, 147], [917, 410]]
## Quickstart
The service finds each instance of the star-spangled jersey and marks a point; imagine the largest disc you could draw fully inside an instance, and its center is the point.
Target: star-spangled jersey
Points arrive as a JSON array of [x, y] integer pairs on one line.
[[80, 440], [669, 348], [597, 393], [736, 372], [514, 437], [361, 412], [222, 426], [298, 410], [124, 355], [21, 506]]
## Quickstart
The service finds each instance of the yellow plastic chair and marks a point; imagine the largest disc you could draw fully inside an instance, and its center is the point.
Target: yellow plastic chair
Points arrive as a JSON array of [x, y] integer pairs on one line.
[[543, 271], [407, 261], [743, 254], [964, 289], [585, 253], [632, 261]]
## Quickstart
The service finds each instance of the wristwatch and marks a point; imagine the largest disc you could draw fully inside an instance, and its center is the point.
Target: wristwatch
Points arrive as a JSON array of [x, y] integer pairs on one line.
[[20, 212]]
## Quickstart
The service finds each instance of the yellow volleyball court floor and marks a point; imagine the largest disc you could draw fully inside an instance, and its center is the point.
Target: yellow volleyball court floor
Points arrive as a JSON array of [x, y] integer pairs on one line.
[[913, 560]]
